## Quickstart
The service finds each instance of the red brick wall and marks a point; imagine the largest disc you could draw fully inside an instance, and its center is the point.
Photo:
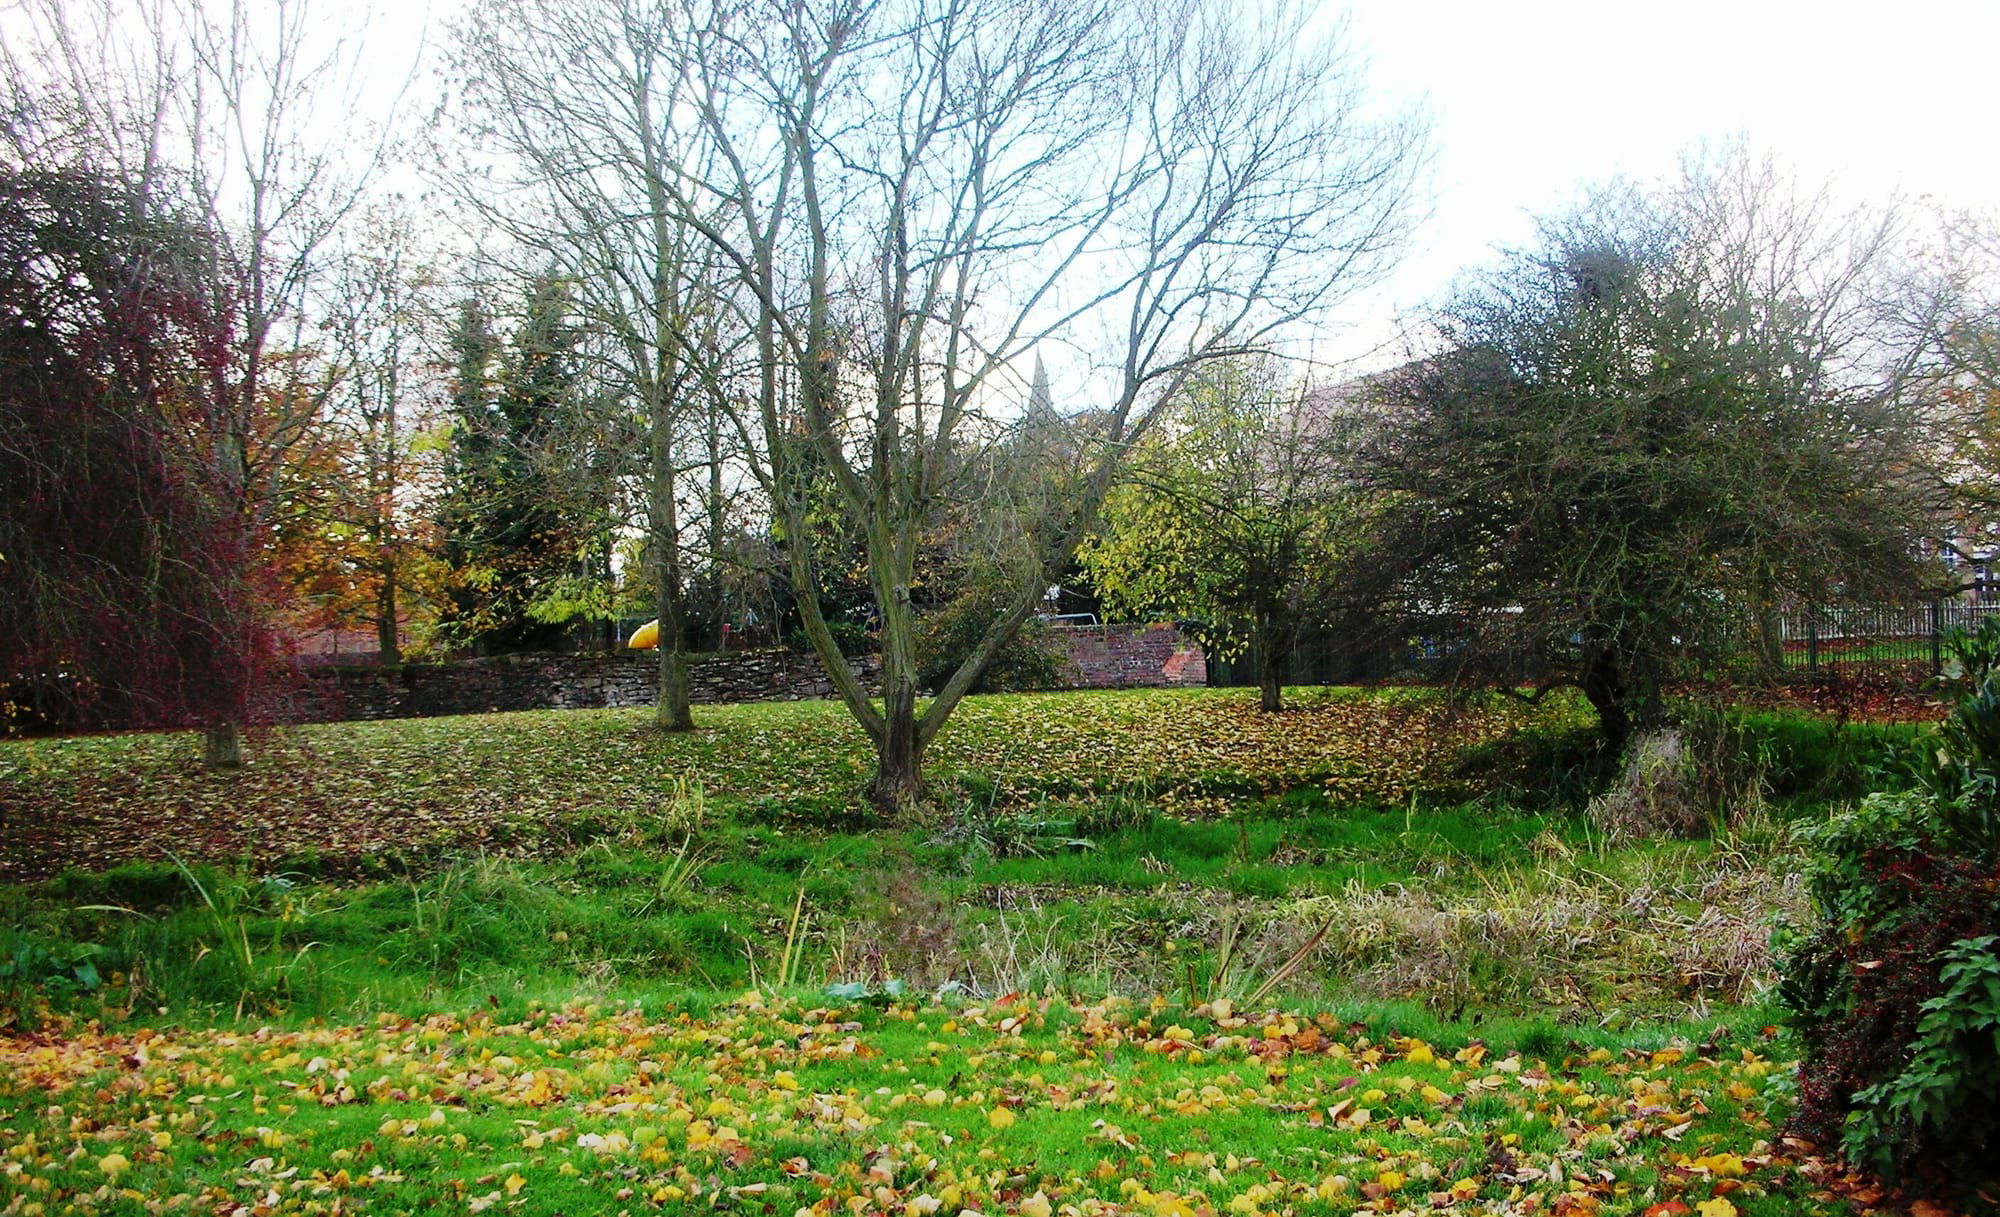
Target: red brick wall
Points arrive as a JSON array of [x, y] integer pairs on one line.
[[1131, 656]]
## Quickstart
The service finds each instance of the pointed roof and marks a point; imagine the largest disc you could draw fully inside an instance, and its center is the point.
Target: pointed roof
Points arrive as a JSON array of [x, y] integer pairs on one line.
[[1041, 399]]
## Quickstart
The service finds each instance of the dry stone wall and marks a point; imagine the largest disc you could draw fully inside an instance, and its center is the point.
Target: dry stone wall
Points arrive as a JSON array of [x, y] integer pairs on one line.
[[549, 682], [1101, 657]]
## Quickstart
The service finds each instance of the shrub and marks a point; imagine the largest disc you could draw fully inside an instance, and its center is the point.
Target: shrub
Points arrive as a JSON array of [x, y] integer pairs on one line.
[[1895, 987], [852, 639], [1032, 659]]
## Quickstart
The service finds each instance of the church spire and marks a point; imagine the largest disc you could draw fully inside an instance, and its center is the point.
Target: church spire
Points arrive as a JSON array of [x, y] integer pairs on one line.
[[1041, 401]]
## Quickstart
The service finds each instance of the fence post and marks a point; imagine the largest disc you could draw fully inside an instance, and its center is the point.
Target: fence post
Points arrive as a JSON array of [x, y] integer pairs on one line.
[[1937, 638], [1812, 643]]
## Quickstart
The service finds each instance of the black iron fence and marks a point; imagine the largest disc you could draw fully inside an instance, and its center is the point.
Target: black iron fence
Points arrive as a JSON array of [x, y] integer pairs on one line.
[[1910, 637], [1876, 635]]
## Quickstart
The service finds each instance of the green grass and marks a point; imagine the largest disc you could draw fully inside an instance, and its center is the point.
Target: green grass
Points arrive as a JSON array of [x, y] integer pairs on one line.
[[774, 1104], [1909, 651], [1416, 837], [575, 893], [1418, 899]]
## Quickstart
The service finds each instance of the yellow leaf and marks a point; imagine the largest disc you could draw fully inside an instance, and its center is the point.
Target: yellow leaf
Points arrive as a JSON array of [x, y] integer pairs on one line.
[[1715, 1206], [1000, 1117], [514, 1184]]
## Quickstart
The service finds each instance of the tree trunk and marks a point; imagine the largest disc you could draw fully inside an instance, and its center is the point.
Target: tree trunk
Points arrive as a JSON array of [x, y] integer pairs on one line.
[[898, 788], [222, 747], [1603, 685], [1771, 640], [1768, 627], [1270, 682], [718, 598], [674, 712], [385, 620], [1273, 645], [606, 629]]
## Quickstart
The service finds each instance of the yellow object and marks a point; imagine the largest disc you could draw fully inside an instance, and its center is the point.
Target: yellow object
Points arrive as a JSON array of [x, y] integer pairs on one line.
[[646, 637]]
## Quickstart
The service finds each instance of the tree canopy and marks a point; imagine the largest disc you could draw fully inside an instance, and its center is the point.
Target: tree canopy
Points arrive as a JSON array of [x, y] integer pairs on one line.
[[1627, 441], [1236, 516], [126, 590]]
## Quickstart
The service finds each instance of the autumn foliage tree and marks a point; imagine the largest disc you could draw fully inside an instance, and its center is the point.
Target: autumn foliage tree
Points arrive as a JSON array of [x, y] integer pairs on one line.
[[363, 553], [125, 589]]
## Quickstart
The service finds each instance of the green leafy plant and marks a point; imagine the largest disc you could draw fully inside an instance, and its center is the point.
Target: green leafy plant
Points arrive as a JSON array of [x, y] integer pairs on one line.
[[1895, 986], [785, 969], [1954, 1060], [674, 885], [34, 973]]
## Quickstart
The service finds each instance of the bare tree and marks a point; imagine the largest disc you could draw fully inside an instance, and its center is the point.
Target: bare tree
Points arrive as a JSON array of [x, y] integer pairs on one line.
[[583, 107], [1943, 313], [914, 193]]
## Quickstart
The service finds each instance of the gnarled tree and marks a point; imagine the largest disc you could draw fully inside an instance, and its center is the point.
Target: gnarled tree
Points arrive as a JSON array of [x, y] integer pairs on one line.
[[1624, 441]]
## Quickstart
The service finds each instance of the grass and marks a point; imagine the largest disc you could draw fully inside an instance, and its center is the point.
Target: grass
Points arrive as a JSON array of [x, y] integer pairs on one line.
[[582, 900], [348, 792], [781, 1104], [1458, 907]]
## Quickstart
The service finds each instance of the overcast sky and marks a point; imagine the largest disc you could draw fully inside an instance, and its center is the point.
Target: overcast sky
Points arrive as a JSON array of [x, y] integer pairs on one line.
[[1533, 100]]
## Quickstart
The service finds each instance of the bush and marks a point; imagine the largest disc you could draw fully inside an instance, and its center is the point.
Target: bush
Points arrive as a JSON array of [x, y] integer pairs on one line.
[[852, 639], [1031, 660], [1895, 987]]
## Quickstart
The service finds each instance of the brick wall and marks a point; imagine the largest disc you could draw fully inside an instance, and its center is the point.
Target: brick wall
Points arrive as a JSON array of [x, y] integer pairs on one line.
[[1131, 656]]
